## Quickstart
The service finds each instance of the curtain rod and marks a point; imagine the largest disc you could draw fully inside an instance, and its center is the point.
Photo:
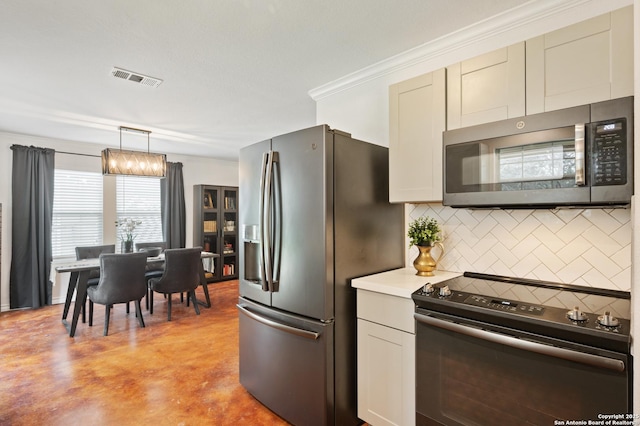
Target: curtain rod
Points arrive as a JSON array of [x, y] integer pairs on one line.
[[76, 153]]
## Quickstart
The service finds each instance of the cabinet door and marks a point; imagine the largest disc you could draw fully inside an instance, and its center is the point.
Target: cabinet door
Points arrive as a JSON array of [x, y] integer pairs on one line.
[[416, 123], [386, 375], [228, 217], [206, 214], [587, 62], [486, 88], [209, 237]]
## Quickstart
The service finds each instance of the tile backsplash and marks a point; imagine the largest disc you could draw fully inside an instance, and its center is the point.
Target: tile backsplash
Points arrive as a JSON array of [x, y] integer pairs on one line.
[[588, 247]]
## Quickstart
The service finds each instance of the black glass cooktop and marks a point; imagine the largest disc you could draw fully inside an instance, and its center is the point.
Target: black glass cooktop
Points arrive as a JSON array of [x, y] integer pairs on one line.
[[474, 297]]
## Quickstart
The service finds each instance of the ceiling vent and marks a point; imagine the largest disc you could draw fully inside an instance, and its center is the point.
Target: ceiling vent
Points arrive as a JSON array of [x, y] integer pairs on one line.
[[135, 77]]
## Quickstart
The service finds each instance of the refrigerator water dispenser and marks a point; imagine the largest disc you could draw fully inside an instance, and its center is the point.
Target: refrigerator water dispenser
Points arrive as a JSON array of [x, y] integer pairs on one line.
[[251, 237]]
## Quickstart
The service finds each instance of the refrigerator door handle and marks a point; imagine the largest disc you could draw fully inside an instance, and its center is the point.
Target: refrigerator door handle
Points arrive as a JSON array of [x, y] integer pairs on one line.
[[276, 223], [279, 326], [263, 178], [268, 221]]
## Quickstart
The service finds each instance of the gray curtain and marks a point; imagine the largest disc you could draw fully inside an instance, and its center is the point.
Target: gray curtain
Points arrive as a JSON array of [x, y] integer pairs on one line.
[[32, 211], [173, 210]]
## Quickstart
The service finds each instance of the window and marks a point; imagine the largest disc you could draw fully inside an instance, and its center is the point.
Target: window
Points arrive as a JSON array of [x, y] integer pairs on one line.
[[77, 211], [138, 198]]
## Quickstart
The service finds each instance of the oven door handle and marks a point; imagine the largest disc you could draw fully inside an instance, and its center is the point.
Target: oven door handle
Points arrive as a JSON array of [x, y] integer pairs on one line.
[[526, 345]]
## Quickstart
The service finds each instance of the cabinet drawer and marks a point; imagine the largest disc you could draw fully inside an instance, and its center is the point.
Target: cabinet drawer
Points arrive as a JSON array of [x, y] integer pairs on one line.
[[391, 311]]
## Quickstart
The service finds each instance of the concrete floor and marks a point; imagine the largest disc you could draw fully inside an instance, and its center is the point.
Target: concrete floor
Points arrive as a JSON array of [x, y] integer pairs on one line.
[[183, 372]]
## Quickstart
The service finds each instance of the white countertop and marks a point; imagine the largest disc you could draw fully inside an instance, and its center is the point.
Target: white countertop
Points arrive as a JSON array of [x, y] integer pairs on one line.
[[400, 282]]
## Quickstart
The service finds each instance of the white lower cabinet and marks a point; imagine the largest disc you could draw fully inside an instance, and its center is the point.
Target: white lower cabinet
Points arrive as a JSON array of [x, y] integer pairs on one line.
[[386, 375], [386, 359]]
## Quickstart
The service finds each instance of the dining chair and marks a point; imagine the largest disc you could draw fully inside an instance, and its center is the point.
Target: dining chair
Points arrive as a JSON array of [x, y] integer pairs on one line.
[[121, 281], [181, 274], [152, 270], [90, 252], [160, 244], [94, 252]]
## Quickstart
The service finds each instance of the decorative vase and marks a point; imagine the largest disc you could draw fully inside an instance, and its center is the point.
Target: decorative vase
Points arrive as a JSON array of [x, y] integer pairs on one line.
[[424, 263], [127, 246]]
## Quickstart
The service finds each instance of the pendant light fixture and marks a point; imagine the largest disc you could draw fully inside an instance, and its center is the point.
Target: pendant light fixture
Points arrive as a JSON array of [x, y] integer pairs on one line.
[[136, 163]]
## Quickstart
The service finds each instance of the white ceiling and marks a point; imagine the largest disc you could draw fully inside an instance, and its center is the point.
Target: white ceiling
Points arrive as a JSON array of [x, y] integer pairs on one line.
[[235, 71]]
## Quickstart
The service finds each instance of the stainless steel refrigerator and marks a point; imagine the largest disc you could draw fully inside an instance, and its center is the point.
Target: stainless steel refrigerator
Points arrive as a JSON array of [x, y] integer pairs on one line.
[[314, 214]]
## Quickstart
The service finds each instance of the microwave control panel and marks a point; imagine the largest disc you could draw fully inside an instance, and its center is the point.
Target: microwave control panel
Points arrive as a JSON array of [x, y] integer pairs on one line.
[[609, 152]]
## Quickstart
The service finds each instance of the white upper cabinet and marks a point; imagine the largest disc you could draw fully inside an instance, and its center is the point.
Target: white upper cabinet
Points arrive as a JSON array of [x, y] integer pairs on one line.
[[416, 122], [590, 61], [489, 87]]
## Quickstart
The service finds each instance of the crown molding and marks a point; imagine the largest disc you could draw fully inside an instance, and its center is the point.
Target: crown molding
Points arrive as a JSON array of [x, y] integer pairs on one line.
[[495, 26]]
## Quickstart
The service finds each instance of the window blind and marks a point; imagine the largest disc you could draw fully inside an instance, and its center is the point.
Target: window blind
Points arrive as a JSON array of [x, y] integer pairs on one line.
[[77, 211], [138, 198]]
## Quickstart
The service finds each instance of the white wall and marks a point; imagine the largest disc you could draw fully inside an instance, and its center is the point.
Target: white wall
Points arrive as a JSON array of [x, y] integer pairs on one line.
[[196, 170]]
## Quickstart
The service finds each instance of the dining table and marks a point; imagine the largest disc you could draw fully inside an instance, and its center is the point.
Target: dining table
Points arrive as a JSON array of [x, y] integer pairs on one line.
[[80, 271]]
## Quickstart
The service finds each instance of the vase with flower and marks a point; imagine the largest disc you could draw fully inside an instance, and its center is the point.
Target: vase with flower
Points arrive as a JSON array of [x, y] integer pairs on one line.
[[424, 233], [127, 227]]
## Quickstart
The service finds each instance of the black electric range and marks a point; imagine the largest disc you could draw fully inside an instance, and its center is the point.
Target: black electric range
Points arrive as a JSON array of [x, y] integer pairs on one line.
[[487, 350]]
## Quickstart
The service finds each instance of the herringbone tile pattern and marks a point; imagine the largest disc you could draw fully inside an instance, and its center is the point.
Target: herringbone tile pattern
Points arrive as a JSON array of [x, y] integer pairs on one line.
[[590, 247]]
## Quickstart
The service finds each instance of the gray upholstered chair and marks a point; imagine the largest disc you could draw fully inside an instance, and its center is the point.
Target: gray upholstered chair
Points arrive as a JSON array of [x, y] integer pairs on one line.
[[153, 270], [121, 281], [160, 244], [94, 252], [91, 252], [181, 274]]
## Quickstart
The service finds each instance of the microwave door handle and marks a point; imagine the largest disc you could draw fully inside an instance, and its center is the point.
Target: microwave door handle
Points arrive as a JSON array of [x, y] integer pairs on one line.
[[580, 155], [263, 177]]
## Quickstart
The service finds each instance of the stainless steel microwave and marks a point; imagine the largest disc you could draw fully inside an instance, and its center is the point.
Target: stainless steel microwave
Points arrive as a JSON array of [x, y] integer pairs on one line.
[[579, 156]]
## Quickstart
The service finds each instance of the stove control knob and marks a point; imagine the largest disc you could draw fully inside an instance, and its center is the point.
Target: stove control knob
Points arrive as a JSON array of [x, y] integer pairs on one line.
[[608, 320], [445, 291], [576, 315], [428, 288]]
